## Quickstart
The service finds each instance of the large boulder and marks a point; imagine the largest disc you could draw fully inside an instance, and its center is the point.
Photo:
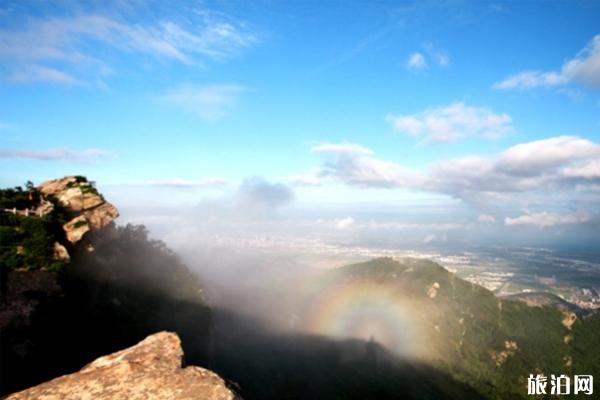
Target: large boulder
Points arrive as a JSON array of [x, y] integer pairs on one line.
[[87, 207], [152, 369]]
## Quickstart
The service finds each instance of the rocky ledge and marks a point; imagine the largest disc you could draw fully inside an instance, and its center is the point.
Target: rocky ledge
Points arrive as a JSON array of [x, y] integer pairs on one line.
[[150, 370]]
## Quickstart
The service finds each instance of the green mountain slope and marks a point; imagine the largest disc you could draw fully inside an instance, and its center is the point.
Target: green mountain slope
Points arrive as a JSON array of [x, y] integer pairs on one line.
[[492, 344]]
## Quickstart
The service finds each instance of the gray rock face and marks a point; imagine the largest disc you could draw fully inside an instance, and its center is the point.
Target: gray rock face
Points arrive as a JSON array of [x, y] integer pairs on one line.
[[150, 370]]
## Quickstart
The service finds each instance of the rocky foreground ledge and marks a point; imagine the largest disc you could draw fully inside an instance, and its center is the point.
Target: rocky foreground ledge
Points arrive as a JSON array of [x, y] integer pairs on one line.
[[150, 370]]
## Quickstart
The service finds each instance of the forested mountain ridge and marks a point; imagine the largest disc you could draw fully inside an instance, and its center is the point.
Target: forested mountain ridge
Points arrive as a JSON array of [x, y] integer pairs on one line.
[[491, 343]]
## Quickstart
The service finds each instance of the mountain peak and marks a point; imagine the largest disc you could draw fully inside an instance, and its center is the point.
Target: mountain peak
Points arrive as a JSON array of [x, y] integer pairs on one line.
[[84, 204]]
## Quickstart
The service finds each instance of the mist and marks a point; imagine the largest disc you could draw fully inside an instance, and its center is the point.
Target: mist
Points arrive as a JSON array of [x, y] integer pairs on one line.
[[257, 247], [259, 321]]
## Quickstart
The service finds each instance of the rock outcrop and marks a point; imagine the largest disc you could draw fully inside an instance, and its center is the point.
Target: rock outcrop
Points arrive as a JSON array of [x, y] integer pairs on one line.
[[152, 369], [88, 209]]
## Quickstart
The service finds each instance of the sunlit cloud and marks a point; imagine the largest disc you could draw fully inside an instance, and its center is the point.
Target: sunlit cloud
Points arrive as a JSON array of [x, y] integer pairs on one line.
[[545, 219], [529, 158], [542, 166], [587, 170], [584, 68]]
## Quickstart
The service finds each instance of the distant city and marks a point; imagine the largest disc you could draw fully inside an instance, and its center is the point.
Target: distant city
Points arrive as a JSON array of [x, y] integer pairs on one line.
[[573, 277]]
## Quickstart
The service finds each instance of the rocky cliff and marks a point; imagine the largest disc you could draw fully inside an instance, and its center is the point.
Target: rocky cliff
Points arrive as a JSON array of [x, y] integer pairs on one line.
[[75, 202], [75, 286], [87, 208], [152, 369]]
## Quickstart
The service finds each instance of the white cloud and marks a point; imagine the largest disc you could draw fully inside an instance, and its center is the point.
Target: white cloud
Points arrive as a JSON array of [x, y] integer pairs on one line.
[[530, 158], [486, 218], [538, 168], [354, 164], [66, 49], [344, 223], [79, 156], [416, 61], [209, 103], [583, 68], [452, 122], [184, 183], [535, 166], [429, 55], [544, 219], [531, 79], [586, 170]]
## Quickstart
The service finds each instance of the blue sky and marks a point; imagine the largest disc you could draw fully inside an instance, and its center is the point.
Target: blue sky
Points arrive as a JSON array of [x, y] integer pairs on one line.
[[488, 110]]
